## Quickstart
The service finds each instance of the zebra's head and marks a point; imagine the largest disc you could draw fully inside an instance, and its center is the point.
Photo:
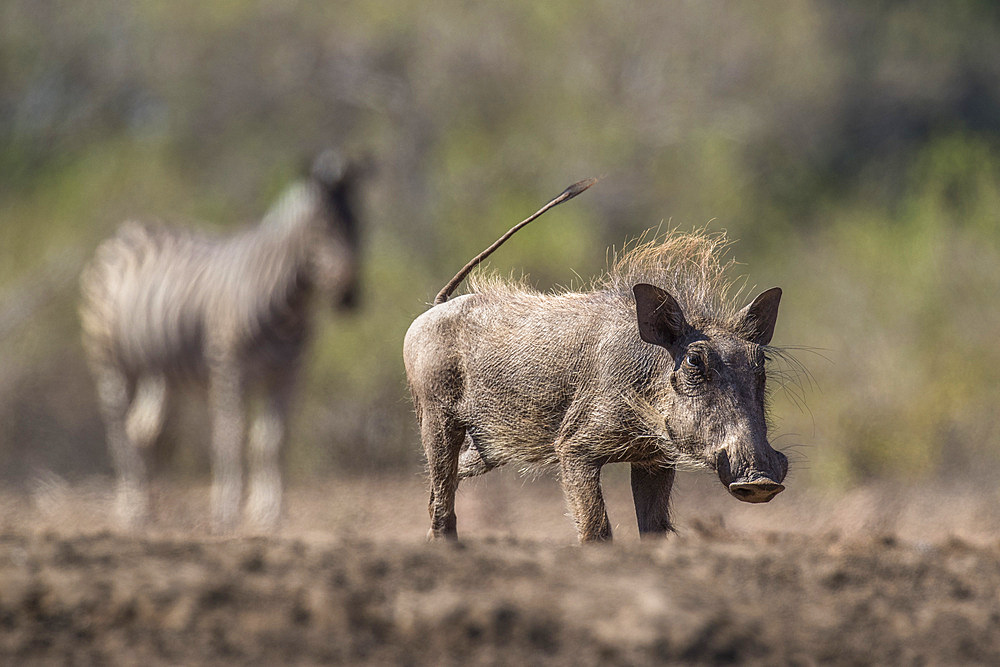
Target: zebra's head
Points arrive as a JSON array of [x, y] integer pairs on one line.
[[336, 250]]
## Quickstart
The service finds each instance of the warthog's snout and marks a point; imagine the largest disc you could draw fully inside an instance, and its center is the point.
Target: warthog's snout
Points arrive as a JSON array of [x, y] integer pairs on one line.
[[758, 491], [760, 483]]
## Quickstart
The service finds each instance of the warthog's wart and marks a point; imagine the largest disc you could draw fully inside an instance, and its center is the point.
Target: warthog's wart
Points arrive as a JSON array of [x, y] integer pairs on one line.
[[653, 366], [160, 305]]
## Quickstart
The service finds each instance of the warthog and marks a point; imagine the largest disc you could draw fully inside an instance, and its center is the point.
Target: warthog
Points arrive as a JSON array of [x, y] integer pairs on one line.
[[653, 366], [161, 305]]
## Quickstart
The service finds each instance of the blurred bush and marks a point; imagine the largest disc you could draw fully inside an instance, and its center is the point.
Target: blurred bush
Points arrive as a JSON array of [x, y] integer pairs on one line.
[[852, 148]]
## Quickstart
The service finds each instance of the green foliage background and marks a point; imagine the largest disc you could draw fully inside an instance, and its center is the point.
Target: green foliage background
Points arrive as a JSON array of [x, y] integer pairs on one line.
[[852, 149]]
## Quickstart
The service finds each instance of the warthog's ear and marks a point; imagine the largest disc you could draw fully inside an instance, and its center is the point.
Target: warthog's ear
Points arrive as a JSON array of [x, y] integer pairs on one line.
[[757, 320], [661, 321]]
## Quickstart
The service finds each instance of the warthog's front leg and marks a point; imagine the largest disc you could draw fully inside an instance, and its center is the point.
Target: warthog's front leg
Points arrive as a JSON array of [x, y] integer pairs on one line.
[[581, 482], [651, 494], [228, 430]]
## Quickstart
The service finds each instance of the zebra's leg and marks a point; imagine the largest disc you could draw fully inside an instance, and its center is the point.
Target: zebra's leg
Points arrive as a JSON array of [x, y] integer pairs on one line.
[[145, 416], [228, 428], [131, 493], [267, 436]]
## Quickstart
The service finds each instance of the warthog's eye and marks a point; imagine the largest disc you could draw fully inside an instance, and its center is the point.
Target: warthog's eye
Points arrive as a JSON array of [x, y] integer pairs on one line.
[[691, 377], [694, 361]]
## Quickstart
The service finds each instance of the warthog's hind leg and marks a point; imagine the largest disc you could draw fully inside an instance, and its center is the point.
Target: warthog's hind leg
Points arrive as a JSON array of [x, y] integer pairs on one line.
[[442, 438]]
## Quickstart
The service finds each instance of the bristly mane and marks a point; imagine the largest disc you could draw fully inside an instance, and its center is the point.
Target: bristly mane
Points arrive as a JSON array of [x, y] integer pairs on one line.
[[692, 266]]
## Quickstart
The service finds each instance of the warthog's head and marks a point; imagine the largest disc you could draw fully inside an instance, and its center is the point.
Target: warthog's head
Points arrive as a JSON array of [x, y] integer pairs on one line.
[[713, 396], [334, 249]]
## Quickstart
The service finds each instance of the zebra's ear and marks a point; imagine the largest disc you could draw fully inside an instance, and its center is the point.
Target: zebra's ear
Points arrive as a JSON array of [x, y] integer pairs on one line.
[[329, 167], [332, 168]]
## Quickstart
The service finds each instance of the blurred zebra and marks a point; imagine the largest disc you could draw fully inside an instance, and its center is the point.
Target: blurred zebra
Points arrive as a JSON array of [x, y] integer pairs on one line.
[[161, 305]]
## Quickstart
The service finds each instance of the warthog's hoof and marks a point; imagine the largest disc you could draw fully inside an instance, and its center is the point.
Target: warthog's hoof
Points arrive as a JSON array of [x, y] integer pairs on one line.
[[450, 535]]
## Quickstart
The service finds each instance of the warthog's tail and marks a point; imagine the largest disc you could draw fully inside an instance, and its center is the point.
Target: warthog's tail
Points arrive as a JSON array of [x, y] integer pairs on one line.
[[566, 194]]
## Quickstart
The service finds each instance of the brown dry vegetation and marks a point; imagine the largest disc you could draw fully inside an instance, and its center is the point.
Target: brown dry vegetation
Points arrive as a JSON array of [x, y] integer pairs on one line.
[[879, 575]]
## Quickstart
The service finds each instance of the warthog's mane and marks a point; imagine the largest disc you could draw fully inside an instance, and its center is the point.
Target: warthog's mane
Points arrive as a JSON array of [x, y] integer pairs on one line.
[[694, 267]]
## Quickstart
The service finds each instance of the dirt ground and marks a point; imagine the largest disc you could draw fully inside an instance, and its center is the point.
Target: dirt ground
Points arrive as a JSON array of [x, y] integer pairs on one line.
[[876, 576]]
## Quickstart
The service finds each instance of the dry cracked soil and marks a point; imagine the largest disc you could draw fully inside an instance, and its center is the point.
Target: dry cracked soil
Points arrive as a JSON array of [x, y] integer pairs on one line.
[[878, 576]]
